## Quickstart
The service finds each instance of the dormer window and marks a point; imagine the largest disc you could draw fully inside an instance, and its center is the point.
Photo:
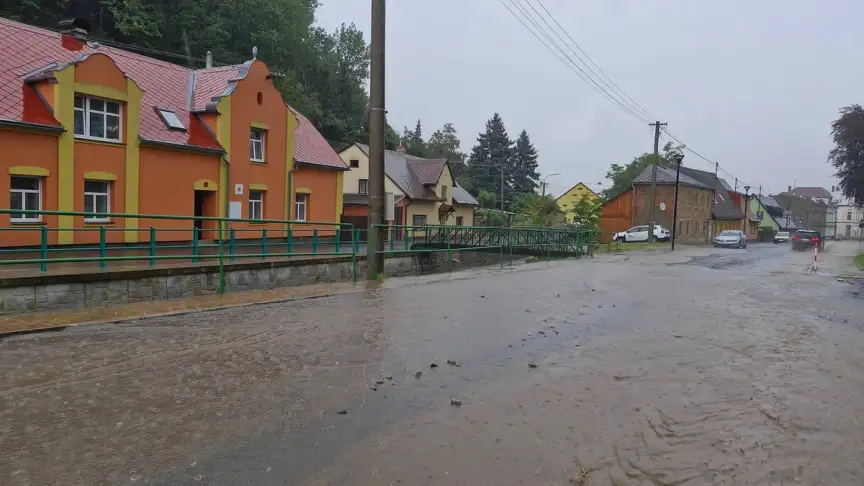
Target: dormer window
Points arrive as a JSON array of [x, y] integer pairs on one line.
[[97, 119], [171, 120]]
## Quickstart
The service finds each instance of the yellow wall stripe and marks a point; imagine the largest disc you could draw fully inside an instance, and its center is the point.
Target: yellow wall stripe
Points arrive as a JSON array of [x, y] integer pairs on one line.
[[223, 135], [64, 110], [133, 126]]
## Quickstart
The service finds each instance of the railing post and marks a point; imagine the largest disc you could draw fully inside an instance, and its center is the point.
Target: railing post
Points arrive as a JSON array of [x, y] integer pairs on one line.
[[221, 257], [152, 247], [392, 237], [195, 244], [407, 229], [232, 244], [510, 246], [338, 237], [264, 243], [353, 255], [290, 240], [43, 251], [103, 247], [357, 242], [449, 257], [315, 241]]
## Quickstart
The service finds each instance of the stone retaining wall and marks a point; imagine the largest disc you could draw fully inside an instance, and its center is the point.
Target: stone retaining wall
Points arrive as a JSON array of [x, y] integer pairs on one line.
[[115, 287]]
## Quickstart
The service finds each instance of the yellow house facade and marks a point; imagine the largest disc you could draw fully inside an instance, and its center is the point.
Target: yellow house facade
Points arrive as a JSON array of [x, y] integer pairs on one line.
[[567, 201], [424, 190]]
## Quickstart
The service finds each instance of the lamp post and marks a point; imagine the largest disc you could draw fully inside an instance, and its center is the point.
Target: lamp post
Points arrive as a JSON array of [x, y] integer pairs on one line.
[[746, 205], [678, 158], [543, 183]]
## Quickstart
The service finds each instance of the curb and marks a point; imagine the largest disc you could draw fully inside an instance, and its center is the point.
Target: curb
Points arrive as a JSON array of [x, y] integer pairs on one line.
[[154, 315]]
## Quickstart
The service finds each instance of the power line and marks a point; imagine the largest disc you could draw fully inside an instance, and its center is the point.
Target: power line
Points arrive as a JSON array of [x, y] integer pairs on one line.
[[604, 78], [573, 67]]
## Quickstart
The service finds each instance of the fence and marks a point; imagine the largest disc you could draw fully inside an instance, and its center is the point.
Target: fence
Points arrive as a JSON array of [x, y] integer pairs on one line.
[[194, 243], [548, 242]]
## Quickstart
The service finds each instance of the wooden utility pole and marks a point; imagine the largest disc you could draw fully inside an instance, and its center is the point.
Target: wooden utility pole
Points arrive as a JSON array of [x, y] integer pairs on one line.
[[375, 244], [650, 201]]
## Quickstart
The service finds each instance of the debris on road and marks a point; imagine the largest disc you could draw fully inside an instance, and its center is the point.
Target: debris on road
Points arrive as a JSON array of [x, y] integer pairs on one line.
[[452, 362], [418, 374], [456, 402], [531, 364], [433, 365], [343, 412]]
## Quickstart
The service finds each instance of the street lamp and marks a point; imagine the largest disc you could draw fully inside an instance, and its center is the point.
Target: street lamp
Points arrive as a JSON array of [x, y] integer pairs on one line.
[[678, 158], [543, 182], [746, 205]]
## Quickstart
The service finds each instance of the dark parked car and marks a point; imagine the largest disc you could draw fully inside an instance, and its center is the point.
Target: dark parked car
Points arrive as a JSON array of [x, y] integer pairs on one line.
[[805, 239]]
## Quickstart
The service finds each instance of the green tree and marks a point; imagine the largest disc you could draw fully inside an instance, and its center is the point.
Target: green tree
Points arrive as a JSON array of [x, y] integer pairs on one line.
[[486, 199], [445, 143], [523, 177], [847, 156], [412, 141], [493, 151], [538, 210], [585, 213], [622, 175]]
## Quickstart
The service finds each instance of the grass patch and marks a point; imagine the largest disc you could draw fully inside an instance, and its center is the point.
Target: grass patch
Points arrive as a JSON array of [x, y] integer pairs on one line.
[[616, 247], [859, 260]]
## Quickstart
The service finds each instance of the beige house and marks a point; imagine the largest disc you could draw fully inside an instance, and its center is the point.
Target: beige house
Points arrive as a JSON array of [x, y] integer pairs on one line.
[[424, 189]]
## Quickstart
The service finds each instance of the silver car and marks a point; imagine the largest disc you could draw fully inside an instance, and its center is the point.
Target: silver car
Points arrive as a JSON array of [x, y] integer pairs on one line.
[[731, 239]]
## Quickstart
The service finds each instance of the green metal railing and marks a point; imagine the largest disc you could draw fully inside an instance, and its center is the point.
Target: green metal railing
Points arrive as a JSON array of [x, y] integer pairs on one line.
[[211, 239], [548, 242]]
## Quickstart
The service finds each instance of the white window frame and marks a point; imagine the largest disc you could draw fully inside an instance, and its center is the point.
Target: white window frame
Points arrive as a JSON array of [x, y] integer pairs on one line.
[[444, 194], [26, 218], [85, 110], [363, 186], [301, 200], [253, 141], [256, 204], [94, 195]]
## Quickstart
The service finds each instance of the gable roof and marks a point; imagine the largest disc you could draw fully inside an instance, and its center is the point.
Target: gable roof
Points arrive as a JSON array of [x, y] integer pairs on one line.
[[32, 53], [310, 147], [666, 175], [580, 183], [397, 168], [428, 170], [461, 196], [724, 206], [808, 192]]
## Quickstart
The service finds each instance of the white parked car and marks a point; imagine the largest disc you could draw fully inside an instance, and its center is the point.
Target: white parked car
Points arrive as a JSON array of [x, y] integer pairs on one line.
[[640, 233], [731, 239]]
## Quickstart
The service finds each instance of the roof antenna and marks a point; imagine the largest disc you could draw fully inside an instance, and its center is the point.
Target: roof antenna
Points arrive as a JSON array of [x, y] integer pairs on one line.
[[254, 52]]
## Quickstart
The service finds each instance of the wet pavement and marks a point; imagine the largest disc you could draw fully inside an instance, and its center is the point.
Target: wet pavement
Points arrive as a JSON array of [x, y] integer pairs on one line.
[[702, 366]]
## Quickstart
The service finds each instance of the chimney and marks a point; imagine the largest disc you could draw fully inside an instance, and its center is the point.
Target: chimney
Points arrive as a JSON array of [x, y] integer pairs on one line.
[[208, 62], [790, 189], [400, 149], [73, 33]]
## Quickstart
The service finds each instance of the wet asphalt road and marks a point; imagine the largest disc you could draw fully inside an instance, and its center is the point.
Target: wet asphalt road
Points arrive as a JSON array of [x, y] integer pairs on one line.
[[700, 367]]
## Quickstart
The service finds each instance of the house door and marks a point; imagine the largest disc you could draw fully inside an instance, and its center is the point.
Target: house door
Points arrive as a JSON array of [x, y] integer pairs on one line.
[[200, 197]]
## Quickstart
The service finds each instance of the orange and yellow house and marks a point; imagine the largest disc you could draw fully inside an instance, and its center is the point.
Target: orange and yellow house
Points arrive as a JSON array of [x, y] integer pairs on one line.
[[90, 128]]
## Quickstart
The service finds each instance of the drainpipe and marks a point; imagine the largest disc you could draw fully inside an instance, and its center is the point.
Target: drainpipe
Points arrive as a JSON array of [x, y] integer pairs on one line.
[[290, 190]]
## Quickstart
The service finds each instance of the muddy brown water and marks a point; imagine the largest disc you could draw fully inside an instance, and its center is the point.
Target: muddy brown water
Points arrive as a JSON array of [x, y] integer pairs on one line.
[[698, 367]]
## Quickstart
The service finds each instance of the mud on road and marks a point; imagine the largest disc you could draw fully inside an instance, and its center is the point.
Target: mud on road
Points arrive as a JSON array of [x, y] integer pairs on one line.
[[649, 369]]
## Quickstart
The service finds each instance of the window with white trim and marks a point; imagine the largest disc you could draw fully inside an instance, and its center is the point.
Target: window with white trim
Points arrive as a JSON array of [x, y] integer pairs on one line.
[[363, 186], [301, 207], [26, 195], [97, 119], [97, 199], [256, 145], [256, 204]]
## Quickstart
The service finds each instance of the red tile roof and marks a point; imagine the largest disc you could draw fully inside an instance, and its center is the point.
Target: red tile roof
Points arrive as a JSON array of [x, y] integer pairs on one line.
[[30, 52], [312, 148]]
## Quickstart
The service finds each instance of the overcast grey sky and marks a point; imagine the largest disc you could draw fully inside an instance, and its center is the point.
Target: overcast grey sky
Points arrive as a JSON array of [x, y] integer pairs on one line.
[[753, 85]]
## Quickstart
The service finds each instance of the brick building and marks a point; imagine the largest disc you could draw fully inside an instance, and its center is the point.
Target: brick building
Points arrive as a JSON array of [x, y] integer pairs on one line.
[[694, 204]]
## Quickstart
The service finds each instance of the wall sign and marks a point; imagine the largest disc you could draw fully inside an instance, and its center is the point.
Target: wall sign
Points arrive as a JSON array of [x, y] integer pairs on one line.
[[238, 189]]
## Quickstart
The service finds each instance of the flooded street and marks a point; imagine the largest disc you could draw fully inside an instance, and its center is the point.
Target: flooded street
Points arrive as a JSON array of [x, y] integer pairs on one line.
[[703, 366]]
